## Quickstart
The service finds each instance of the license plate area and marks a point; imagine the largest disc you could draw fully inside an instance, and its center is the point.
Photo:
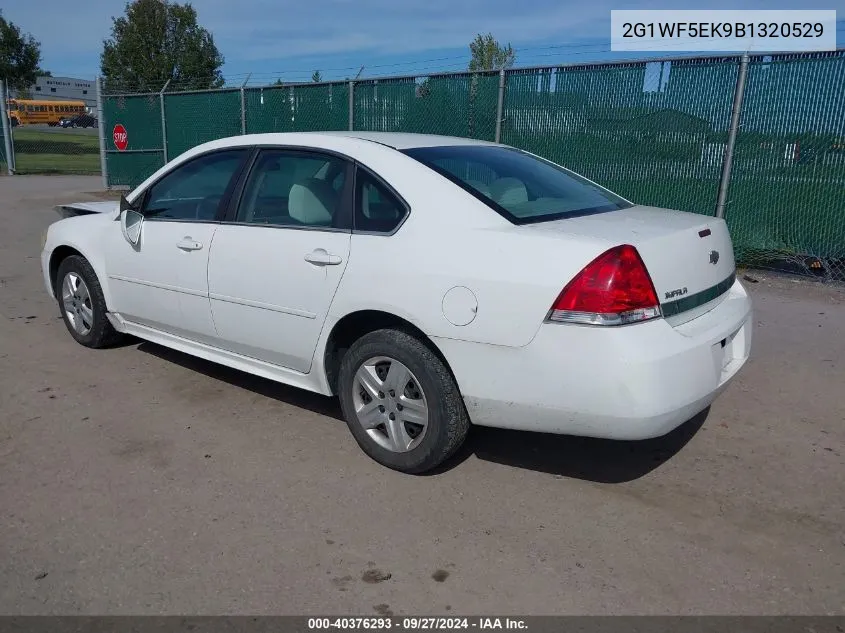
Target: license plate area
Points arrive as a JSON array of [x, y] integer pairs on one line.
[[726, 345], [729, 353]]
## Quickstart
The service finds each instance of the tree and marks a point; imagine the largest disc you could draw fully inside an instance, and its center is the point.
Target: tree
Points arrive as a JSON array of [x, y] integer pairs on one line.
[[488, 55], [20, 55], [316, 77], [157, 41]]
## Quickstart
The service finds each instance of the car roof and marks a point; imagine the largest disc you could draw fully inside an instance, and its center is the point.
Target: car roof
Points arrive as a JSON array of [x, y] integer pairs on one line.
[[393, 140], [339, 140], [405, 140]]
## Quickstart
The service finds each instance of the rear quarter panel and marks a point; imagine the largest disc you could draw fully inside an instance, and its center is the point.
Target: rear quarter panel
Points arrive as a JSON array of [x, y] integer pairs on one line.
[[451, 239]]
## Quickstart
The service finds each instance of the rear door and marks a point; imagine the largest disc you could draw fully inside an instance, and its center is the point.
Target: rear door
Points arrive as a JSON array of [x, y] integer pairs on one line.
[[276, 262]]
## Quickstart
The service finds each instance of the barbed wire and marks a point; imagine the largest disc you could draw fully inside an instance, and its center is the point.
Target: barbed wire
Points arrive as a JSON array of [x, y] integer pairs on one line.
[[421, 66], [304, 74], [561, 53], [439, 69]]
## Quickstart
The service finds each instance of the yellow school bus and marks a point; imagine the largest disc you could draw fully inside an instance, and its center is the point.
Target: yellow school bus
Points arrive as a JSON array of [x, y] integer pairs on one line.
[[31, 111]]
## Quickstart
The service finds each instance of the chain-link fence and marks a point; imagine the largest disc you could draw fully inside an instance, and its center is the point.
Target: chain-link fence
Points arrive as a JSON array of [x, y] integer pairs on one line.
[[4, 159], [50, 135], [5, 132], [628, 126], [129, 159], [787, 191], [43, 149], [654, 131], [300, 108], [457, 105]]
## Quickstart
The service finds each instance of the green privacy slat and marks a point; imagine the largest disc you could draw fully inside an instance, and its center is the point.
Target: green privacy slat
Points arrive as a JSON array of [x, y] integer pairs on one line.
[[460, 105], [193, 119], [141, 117], [654, 132], [632, 129], [787, 193], [297, 108]]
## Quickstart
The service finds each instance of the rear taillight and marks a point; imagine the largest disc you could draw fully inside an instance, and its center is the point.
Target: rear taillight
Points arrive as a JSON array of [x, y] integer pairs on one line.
[[614, 289]]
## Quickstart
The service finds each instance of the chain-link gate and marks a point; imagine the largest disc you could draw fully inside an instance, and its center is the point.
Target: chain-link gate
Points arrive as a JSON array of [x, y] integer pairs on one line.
[[657, 132]]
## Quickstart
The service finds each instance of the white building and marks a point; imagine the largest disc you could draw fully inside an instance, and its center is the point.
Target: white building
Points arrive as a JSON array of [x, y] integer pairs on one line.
[[65, 88]]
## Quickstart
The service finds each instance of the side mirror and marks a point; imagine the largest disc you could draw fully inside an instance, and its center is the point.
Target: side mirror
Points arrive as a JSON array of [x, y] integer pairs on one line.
[[124, 204], [130, 222]]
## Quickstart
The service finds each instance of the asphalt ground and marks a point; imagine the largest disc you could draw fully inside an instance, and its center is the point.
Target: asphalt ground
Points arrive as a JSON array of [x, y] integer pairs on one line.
[[139, 480]]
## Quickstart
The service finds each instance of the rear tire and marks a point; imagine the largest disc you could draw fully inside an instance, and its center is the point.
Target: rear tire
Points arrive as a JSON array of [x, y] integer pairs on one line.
[[83, 305], [401, 402]]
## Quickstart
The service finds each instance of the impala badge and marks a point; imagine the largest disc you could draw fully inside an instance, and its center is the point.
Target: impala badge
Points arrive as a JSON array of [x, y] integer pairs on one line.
[[714, 257]]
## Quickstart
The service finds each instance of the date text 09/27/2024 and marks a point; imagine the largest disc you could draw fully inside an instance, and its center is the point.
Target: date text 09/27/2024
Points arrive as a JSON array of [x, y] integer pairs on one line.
[[416, 623]]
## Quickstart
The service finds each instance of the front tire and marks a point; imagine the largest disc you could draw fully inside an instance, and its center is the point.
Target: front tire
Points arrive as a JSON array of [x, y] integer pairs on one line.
[[82, 304], [401, 402]]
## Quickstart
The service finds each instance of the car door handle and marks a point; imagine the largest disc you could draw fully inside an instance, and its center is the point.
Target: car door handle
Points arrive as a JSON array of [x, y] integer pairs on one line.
[[319, 257], [187, 243]]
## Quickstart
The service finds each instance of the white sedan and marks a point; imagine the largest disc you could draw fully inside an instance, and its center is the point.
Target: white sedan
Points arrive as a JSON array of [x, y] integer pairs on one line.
[[429, 282]]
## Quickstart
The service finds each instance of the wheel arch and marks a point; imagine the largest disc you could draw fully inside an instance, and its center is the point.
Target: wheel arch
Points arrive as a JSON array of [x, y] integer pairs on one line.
[[67, 248], [356, 324], [59, 254]]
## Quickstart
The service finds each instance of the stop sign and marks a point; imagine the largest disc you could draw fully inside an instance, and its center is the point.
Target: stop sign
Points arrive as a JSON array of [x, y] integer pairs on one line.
[[121, 139]]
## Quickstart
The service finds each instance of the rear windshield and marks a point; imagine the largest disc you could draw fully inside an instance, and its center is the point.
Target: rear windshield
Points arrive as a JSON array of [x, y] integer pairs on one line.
[[519, 186]]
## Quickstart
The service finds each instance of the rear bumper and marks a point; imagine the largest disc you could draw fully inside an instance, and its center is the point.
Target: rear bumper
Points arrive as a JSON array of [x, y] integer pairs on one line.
[[632, 382]]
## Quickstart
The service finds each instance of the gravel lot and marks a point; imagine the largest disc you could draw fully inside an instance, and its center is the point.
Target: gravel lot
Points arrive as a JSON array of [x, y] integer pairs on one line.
[[139, 480]]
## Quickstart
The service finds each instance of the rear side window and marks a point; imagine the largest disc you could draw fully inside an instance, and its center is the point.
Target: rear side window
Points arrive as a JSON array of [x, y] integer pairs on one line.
[[521, 187], [292, 188], [377, 209]]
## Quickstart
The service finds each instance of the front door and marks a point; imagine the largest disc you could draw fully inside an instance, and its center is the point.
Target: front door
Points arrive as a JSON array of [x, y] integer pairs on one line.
[[275, 267], [162, 282]]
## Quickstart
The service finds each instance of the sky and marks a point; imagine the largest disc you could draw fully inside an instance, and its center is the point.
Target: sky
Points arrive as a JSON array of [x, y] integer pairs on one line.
[[271, 39]]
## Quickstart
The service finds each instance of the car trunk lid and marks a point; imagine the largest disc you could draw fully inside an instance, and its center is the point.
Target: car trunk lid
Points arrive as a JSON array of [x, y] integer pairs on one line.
[[688, 256]]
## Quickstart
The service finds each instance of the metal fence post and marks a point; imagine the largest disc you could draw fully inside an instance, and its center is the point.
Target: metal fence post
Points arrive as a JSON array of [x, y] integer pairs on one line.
[[243, 104], [163, 122], [7, 129], [500, 106], [101, 130], [727, 163], [351, 105], [243, 112]]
